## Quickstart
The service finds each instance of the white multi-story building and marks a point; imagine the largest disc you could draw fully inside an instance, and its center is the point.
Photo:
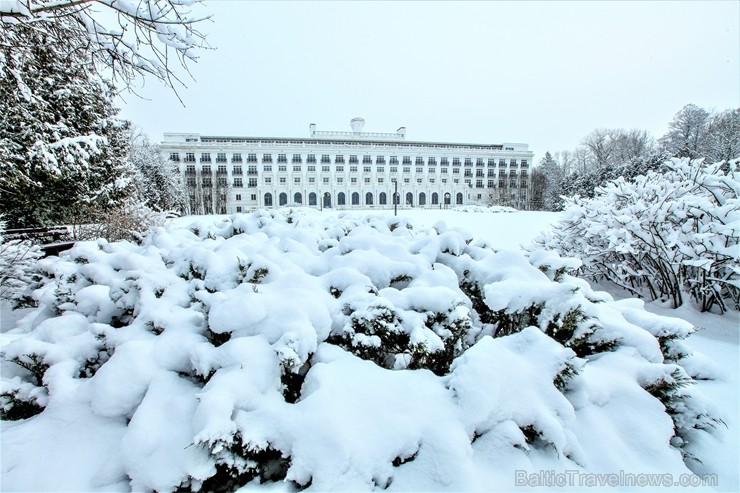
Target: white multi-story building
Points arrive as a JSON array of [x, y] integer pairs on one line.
[[344, 170]]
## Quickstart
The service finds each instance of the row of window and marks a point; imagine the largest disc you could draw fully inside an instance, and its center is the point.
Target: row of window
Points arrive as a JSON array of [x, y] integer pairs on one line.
[[252, 170], [370, 198], [205, 157], [237, 182]]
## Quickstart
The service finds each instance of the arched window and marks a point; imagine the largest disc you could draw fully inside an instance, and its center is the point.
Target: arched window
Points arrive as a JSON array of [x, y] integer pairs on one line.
[[422, 198], [382, 200], [459, 199], [312, 198], [369, 198], [268, 200], [341, 199], [448, 198], [355, 198], [435, 198], [282, 198], [409, 198], [298, 198], [396, 198], [327, 199]]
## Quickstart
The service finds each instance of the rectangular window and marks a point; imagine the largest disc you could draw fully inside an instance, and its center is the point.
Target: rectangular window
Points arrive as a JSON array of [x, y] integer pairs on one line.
[[478, 183], [296, 168], [479, 173], [205, 157], [206, 170], [432, 161], [174, 156], [455, 171], [266, 158], [512, 162], [325, 169], [502, 163], [490, 183], [380, 180], [268, 180], [367, 160], [431, 180], [282, 158], [253, 196], [525, 163], [297, 180], [407, 180], [236, 157], [366, 169], [353, 180], [340, 169], [312, 169], [267, 168], [311, 158], [282, 167], [419, 161], [443, 161], [221, 157], [325, 158], [419, 170], [394, 169], [297, 158], [491, 173], [407, 160], [491, 161], [468, 161], [189, 157], [407, 169], [479, 162], [367, 180], [418, 180], [456, 161], [352, 169], [237, 170], [283, 180], [221, 169], [352, 159], [340, 179], [252, 157], [238, 196], [444, 180], [339, 159], [443, 171], [380, 160], [190, 169], [394, 160], [252, 182], [381, 169], [311, 179], [325, 180]]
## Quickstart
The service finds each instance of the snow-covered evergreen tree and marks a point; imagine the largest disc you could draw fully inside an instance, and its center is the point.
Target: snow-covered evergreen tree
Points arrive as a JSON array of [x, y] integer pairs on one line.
[[17, 259], [61, 145]]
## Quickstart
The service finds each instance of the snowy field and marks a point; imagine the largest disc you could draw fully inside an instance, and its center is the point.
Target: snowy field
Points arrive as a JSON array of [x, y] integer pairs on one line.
[[493, 418]]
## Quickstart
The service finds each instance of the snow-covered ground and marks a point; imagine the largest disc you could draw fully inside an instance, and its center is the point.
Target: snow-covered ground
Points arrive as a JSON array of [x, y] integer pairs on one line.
[[85, 442]]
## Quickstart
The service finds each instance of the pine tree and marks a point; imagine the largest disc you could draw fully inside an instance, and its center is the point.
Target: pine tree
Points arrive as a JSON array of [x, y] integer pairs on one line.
[[158, 182], [61, 147]]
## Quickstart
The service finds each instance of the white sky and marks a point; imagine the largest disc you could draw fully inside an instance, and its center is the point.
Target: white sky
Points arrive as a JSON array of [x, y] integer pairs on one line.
[[543, 73]]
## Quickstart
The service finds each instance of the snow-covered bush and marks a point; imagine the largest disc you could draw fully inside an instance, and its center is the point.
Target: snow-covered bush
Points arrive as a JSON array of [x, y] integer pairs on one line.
[[662, 235], [345, 353], [17, 259]]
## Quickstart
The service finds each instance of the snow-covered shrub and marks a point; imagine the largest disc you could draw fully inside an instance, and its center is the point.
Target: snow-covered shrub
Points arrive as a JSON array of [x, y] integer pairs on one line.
[[130, 219], [17, 259], [346, 353], [662, 235]]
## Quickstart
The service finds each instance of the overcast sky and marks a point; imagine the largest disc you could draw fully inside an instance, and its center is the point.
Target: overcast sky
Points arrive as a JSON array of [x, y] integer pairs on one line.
[[542, 73]]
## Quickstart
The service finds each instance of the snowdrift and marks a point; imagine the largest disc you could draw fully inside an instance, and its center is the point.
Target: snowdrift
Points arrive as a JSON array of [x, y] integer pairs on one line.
[[346, 353]]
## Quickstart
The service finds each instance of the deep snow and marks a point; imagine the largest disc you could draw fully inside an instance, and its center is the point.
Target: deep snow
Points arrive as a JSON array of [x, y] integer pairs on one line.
[[83, 447]]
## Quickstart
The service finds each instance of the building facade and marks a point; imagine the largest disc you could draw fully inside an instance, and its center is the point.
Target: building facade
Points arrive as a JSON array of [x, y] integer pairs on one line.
[[345, 170]]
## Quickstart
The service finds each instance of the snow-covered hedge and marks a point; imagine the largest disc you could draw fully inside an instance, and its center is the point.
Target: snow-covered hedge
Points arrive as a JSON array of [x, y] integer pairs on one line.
[[662, 235], [347, 353], [17, 259]]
